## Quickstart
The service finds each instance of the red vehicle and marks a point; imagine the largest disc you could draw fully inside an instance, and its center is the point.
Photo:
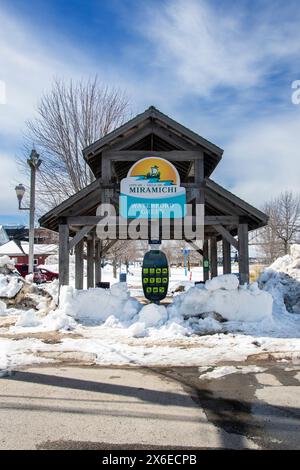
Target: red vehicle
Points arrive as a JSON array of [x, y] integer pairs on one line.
[[50, 275], [40, 275]]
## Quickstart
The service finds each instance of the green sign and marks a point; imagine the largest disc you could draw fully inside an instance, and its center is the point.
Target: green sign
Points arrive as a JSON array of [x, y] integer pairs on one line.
[[206, 265], [155, 275]]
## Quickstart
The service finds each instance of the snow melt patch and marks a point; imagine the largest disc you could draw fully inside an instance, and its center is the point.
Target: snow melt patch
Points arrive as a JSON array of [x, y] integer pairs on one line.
[[221, 371]]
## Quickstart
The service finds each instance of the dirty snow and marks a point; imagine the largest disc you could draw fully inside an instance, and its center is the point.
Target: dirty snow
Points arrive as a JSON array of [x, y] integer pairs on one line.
[[221, 371]]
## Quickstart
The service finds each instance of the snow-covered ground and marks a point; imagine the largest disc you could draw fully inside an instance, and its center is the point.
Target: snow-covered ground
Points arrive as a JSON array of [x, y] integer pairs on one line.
[[203, 325]]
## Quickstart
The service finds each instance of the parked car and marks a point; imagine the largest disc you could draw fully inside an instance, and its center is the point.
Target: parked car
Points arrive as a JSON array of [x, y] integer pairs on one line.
[[50, 275], [40, 275]]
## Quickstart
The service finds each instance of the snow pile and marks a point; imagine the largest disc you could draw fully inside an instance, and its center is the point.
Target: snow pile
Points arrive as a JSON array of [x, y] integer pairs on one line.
[[200, 310], [6, 262], [282, 281], [223, 296], [227, 282], [55, 321], [153, 315], [28, 319], [10, 285], [94, 306], [2, 308]]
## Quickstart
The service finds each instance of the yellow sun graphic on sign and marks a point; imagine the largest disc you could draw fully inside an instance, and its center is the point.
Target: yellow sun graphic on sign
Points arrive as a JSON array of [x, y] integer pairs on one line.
[[153, 167]]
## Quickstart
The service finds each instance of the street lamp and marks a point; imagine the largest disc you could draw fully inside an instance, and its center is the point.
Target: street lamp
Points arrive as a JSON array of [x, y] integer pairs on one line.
[[34, 163], [20, 191]]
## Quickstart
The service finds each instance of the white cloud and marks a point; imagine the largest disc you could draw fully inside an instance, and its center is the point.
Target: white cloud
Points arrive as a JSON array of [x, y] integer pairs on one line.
[[28, 63], [193, 50], [9, 177], [205, 47], [263, 159]]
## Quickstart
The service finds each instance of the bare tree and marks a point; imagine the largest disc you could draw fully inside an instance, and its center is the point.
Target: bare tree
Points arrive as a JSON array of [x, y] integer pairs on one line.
[[283, 227], [117, 254], [70, 117]]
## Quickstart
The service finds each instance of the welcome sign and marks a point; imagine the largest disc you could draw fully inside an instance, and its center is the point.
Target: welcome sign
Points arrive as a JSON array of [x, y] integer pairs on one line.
[[152, 190]]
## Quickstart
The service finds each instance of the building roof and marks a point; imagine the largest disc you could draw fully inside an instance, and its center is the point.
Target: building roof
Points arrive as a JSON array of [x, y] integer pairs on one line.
[[12, 248], [3, 235], [40, 249]]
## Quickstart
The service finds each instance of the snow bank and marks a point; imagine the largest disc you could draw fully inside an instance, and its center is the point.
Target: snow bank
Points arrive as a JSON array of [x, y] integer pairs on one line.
[[5, 262], [10, 285], [198, 311], [247, 303], [282, 281], [28, 319], [97, 305]]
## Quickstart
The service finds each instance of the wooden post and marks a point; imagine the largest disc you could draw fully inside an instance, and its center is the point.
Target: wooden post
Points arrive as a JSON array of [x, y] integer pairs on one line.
[[243, 253], [90, 261], [226, 256], [79, 265], [213, 257], [97, 261], [63, 254], [199, 177], [205, 258]]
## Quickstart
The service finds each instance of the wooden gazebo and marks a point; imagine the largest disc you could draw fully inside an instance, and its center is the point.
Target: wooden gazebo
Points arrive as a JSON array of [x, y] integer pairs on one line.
[[227, 217]]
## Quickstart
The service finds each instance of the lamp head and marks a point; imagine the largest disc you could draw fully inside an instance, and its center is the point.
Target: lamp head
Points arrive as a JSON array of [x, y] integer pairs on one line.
[[20, 191]]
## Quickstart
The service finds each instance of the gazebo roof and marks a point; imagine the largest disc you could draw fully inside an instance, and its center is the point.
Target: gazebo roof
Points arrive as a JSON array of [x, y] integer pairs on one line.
[[152, 130]]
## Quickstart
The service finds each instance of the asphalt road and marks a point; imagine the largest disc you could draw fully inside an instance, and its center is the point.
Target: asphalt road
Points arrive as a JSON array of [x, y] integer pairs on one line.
[[140, 408]]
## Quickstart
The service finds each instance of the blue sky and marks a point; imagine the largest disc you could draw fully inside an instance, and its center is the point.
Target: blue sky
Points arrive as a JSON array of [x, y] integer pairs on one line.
[[223, 69]]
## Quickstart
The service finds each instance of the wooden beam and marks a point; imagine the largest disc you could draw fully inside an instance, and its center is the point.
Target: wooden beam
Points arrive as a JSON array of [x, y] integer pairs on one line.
[[84, 220], [221, 219], [98, 260], [135, 135], [219, 203], [213, 257], [83, 205], [106, 169], [243, 253], [79, 236], [79, 265], [172, 138], [63, 254], [90, 262], [134, 155], [195, 247], [227, 235], [226, 256]]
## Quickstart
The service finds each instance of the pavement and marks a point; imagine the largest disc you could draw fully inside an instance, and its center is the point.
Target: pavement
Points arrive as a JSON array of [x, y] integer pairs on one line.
[[71, 407]]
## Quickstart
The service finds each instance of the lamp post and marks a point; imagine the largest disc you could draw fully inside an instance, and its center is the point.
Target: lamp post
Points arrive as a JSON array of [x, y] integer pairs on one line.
[[34, 162]]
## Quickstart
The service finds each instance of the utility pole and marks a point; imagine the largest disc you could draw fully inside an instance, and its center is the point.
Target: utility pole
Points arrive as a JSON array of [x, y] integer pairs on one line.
[[34, 163]]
